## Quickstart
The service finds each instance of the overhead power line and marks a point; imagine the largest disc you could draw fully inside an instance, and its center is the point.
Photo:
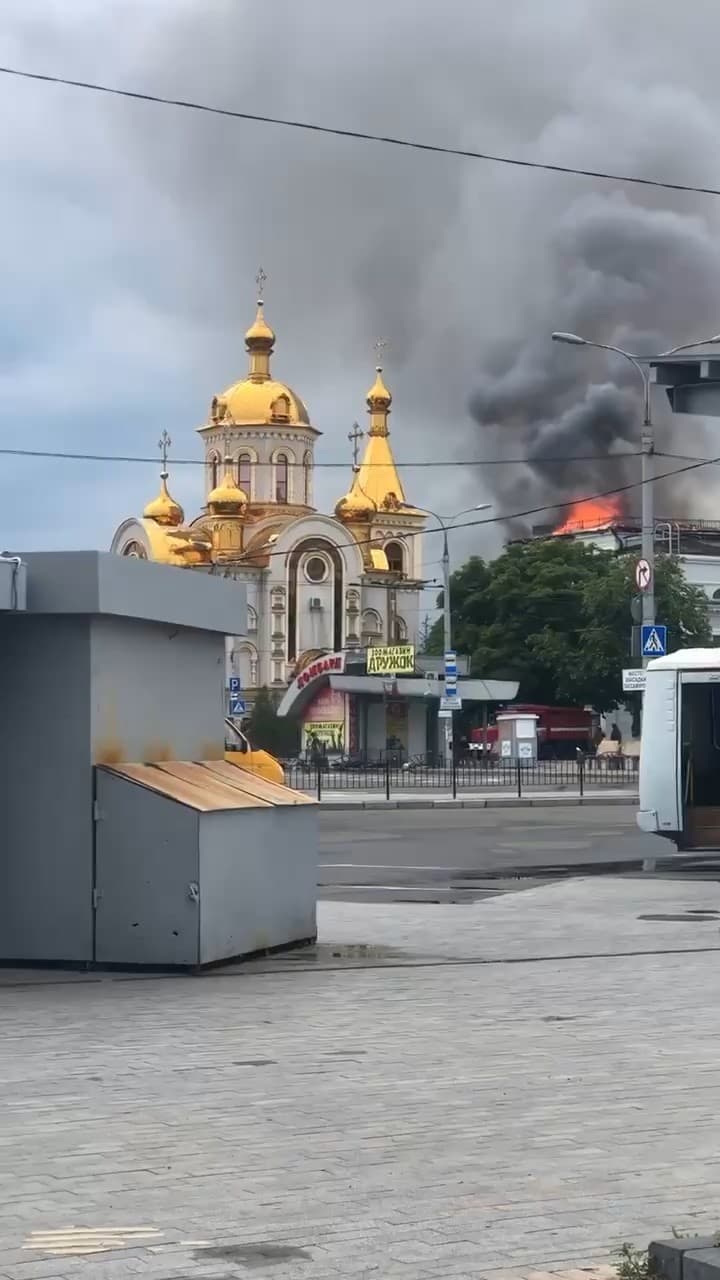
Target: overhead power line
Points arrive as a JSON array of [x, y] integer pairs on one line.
[[359, 135], [508, 516], [344, 466]]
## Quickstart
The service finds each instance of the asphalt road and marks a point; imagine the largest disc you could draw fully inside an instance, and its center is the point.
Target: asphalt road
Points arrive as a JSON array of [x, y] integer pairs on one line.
[[465, 854]]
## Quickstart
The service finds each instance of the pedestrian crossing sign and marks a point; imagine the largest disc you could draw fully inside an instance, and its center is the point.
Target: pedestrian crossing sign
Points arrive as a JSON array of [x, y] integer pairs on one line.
[[654, 640]]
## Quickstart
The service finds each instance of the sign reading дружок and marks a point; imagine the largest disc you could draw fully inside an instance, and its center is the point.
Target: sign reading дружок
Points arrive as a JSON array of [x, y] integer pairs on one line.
[[391, 660]]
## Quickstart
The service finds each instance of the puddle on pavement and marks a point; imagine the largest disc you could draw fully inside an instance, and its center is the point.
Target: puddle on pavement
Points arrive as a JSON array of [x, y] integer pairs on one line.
[[328, 952], [686, 917], [254, 1255]]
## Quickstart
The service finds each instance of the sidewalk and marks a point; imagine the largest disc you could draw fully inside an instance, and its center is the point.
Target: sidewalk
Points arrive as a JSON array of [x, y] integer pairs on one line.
[[434, 1092]]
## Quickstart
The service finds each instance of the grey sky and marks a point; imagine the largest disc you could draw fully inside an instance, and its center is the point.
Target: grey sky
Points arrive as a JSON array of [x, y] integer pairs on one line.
[[131, 233]]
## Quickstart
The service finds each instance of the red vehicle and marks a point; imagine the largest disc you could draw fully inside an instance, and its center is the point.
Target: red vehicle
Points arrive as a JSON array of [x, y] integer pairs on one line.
[[561, 731]]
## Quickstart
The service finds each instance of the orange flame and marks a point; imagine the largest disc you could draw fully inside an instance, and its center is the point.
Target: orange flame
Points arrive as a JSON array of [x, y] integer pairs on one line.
[[597, 513]]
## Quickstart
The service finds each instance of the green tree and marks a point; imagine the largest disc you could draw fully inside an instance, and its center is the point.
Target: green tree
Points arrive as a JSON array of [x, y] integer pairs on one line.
[[424, 634], [556, 615], [268, 731]]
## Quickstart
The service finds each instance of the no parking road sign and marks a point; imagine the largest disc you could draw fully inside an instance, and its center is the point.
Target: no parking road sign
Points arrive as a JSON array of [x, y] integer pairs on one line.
[[643, 575]]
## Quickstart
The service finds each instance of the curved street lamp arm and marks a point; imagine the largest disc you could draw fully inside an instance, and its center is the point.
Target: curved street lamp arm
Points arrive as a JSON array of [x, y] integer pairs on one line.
[[635, 362]]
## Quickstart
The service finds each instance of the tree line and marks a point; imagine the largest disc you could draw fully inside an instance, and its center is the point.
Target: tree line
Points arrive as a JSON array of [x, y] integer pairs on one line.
[[556, 615]]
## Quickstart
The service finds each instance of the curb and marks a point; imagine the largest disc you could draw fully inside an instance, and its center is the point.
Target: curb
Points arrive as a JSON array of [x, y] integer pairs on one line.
[[495, 802]]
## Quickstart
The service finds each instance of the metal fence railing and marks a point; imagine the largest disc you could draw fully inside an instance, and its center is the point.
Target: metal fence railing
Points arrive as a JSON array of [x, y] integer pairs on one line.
[[387, 777]]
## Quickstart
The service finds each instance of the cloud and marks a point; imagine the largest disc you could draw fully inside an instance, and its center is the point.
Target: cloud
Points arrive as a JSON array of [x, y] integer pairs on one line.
[[130, 234]]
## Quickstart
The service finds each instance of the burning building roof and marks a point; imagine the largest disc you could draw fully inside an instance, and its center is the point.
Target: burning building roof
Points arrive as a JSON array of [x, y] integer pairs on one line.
[[594, 521]]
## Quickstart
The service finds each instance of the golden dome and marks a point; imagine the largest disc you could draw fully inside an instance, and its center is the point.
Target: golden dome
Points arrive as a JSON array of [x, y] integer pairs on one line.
[[378, 397], [227, 499], [258, 399], [356, 505], [252, 401], [260, 336], [164, 509]]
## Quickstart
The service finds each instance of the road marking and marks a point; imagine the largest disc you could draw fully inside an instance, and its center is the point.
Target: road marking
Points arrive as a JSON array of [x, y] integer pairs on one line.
[[87, 1240], [386, 866], [407, 888]]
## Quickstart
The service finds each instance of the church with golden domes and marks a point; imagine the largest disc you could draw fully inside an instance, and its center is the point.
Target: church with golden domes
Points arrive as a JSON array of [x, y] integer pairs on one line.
[[316, 584]]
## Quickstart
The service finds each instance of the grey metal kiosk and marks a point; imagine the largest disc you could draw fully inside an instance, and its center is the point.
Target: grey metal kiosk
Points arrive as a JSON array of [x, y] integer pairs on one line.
[[125, 838], [517, 737]]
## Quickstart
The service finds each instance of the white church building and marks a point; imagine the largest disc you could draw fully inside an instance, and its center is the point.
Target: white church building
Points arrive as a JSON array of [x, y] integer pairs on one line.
[[322, 589]]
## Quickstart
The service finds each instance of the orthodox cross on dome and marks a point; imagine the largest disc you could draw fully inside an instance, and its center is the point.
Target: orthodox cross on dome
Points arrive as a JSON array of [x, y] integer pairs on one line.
[[380, 345], [260, 282], [355, 436], [164, 446]]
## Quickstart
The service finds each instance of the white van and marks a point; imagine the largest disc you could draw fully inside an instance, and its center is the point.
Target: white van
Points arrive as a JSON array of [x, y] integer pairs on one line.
[[680, 754]]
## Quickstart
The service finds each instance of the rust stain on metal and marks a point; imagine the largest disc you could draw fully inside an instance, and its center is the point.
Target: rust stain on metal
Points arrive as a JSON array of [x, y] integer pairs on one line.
[[157, 749], [108, 745], [107, 751]]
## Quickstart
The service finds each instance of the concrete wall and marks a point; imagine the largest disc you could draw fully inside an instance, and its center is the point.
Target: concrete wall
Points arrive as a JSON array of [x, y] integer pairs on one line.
[[46, 831], [157, 692]]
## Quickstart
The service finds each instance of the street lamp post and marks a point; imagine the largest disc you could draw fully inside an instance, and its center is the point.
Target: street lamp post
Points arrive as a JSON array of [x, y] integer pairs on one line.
[[446, 523], [647, 449]]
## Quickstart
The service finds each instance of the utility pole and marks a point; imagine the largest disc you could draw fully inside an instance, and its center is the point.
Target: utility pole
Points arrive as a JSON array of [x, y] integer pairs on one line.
[[447, 633], [446, 523], [647, 475]]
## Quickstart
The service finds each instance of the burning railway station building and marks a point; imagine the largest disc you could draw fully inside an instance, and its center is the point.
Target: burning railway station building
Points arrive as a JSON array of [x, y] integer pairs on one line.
[[695, 543], [692, 387]]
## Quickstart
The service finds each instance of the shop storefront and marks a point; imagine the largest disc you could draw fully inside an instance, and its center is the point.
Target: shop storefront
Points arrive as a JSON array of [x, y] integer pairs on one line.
[[348, 711]]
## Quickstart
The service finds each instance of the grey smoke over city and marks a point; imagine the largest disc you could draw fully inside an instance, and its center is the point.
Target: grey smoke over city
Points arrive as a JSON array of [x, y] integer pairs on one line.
[[379, 240], [621, 273], [153, 221]]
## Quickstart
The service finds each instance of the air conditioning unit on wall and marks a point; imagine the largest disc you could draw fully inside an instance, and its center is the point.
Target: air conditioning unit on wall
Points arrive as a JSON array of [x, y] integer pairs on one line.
[[315, 604]]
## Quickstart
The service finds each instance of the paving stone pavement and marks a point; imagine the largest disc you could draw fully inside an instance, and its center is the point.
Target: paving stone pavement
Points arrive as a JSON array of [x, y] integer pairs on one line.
[[434, 1119]]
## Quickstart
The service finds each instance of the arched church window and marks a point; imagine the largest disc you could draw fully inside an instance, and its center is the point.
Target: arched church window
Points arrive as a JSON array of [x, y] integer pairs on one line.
[[135, 550], [244, 473], [371, 627], [307, 468], [213, 468], [247, 662], [281, 478], [395, 553], [252, 621], [399, 630]]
